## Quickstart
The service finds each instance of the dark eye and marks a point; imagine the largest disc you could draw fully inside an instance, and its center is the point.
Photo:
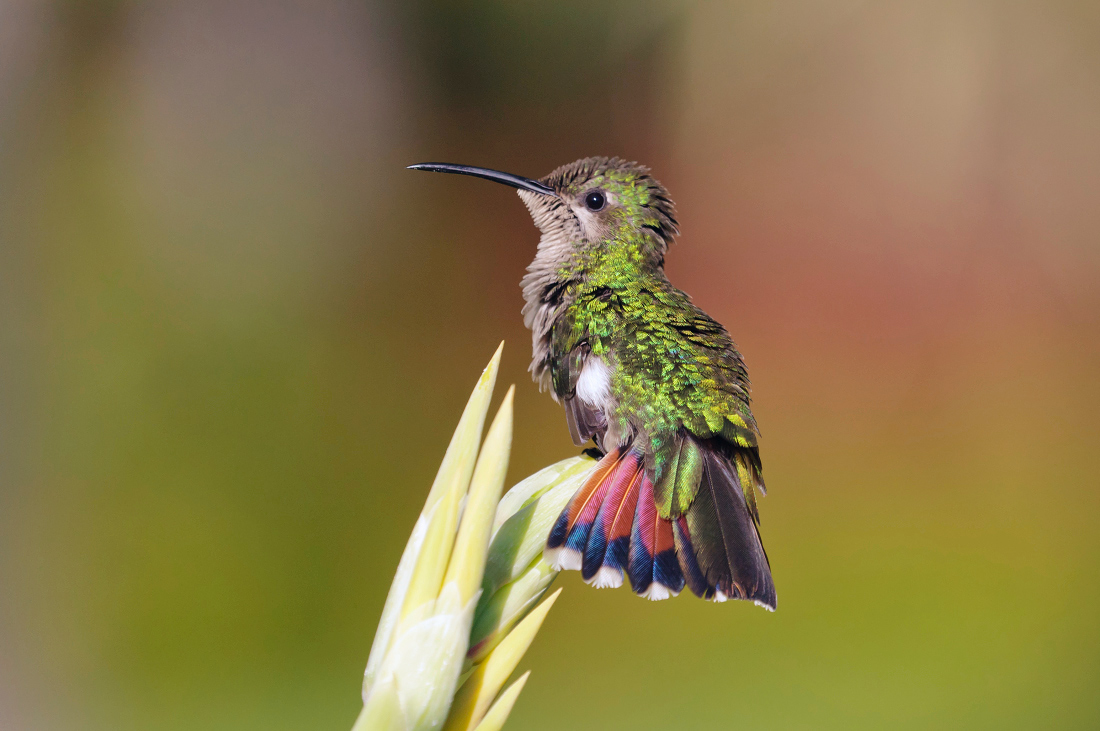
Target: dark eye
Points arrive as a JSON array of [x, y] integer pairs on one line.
[[594, 200]]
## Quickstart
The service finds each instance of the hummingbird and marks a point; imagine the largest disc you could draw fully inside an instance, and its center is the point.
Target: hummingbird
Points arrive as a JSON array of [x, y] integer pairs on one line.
[[651, 379]]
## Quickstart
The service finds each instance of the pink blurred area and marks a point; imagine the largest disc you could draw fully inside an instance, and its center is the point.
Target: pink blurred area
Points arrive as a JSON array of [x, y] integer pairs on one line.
[[235, 334]]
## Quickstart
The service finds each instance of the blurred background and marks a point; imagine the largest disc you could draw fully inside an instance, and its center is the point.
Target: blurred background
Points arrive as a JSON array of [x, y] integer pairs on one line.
[[235, 336]]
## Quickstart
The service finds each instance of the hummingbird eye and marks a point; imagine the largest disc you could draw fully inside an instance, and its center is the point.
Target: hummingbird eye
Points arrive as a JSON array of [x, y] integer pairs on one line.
[[595, 200]]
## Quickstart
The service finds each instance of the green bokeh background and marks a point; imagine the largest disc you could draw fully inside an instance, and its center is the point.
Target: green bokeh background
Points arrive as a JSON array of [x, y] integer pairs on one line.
[[235, 335]]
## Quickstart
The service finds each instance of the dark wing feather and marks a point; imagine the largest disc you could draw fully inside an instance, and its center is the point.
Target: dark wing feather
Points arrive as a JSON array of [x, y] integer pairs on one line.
[[717, 542], [584, 421], [750, 574]]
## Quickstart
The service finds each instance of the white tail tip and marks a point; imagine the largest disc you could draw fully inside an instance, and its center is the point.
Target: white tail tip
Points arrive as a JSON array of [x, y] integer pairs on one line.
[[656, 592], [607, 578], [563, 559]]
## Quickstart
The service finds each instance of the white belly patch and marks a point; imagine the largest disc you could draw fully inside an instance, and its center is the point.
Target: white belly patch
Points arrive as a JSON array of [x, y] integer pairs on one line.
[[594, 383]]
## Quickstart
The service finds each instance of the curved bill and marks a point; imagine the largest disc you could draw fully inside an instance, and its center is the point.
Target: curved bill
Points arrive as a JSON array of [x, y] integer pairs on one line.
[[495, 175]]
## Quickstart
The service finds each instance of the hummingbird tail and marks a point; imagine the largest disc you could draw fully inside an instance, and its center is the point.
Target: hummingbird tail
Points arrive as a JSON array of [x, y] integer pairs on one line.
[[612, 526], [592, 534]]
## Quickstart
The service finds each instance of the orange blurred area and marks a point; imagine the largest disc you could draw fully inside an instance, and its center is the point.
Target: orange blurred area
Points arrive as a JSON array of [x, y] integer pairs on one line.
[[235, 336]]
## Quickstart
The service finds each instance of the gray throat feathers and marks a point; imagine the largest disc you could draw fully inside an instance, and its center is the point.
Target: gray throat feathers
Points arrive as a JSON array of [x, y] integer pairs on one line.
[[544, 288]]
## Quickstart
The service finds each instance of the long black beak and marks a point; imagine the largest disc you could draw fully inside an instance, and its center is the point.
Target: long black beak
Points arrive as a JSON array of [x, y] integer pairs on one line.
[[495, 175]]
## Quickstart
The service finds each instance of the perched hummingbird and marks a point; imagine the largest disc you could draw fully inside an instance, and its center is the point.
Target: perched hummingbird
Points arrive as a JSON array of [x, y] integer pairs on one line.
[[656, 382]]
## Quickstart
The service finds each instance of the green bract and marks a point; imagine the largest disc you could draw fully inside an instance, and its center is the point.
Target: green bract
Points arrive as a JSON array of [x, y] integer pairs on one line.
[[464, 603]]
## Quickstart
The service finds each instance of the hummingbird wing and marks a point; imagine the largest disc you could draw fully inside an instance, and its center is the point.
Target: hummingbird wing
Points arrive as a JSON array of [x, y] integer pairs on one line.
[[707, 471], [567, 365], [717, 536], [583, 421]]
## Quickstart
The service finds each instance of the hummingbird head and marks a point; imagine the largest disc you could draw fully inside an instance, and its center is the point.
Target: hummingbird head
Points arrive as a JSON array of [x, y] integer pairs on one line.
[[600, 204], [589, 207]]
